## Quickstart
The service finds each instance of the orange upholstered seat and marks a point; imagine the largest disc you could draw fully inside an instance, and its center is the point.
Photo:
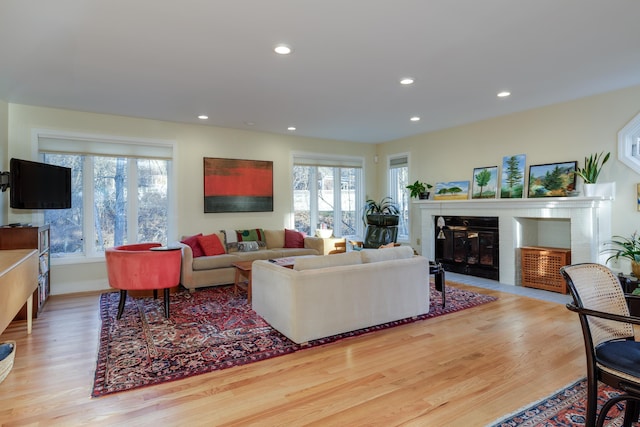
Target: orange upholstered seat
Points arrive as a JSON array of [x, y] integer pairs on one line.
[[137, 267]]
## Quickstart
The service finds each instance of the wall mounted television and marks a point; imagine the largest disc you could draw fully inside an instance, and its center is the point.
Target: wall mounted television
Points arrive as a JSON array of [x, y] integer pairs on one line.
[[35, 185]]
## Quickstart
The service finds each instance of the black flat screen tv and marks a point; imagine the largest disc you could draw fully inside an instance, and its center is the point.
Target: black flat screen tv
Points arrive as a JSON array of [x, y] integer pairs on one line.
[[35, 185]]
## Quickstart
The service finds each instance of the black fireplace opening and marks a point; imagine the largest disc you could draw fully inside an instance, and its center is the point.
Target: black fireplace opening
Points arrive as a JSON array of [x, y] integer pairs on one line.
[[468, 245]]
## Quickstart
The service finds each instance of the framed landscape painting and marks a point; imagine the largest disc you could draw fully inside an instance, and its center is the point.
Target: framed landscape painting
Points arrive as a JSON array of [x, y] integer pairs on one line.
[[453, 190], [552, 179], [485, 183], [512, 182], [232, 185]]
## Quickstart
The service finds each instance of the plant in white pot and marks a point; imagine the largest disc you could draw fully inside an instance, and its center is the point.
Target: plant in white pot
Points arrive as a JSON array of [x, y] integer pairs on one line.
[[590, 173]]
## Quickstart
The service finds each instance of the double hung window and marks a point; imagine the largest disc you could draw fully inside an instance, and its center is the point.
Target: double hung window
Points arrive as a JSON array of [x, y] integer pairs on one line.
[[327, 193], [398, 181], [121, 193]]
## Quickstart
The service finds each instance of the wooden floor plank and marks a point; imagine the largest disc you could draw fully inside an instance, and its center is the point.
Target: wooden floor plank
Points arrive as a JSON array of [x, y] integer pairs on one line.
[[463, 369]]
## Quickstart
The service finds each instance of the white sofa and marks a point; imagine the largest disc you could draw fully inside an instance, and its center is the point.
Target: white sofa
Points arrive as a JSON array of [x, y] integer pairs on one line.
[[328, 295]]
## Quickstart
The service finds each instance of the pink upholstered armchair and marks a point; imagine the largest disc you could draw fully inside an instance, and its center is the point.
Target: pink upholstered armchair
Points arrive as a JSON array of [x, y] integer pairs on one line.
[[138, 267]]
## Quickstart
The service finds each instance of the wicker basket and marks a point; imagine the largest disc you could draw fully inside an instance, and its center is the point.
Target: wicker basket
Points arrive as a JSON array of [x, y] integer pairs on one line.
[[541, 267], [7, 354]]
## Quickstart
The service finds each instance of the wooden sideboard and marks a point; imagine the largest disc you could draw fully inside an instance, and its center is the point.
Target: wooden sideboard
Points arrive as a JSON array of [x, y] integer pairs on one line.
[[18, 282], [31, 237]]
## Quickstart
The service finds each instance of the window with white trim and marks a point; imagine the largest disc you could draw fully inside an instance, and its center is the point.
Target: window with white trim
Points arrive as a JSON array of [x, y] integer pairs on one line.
[[121, 193], [398, 181], [327, 193]]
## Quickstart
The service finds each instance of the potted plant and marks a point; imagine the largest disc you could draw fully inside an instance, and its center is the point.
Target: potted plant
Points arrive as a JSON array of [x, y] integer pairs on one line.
[[381, 220], [384, 212], [419, 190], [590, 173], [626, 247]]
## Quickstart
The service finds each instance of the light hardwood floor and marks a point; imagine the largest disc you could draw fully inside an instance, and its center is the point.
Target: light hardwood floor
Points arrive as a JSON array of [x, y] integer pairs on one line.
[[462, 369]]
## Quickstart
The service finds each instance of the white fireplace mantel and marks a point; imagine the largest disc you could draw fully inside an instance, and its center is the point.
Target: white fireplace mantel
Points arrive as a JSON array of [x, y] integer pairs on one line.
[[589, 218]]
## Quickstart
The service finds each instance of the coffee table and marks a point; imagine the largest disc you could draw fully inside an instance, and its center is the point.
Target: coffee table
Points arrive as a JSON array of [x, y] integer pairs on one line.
[[243, 271]]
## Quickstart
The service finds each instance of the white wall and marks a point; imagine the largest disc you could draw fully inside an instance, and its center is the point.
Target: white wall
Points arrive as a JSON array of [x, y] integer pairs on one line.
[[561, 132], [194, 142]]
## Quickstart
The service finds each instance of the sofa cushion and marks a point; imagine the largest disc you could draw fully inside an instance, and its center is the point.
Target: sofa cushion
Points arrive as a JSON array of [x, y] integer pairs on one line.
[[311, 263], [293, 239], [274, 238], [247, 246], [251, 235], [213, 262], [386, 254], [211, 244], [192, 242]]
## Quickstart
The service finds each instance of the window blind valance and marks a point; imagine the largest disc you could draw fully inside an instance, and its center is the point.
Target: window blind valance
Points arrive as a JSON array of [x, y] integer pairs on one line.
[[96, 146], [309, 159]]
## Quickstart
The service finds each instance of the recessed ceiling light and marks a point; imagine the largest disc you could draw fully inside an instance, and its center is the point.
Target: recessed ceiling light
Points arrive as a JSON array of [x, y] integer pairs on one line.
[[406, 81], [203, 117], [291, 128], [415, 119], [282, 49], [503, 94]]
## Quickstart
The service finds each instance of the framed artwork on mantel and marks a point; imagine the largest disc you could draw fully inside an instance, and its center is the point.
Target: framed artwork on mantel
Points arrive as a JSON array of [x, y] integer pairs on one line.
[[452, 190], [552, 179], [233, 185], [513, 171], [485, 183]]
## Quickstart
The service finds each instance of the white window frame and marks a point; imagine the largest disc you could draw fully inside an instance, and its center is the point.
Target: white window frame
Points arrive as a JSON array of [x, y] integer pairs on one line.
[[397, 161], [101, 145], [629, 144], [303, 158]]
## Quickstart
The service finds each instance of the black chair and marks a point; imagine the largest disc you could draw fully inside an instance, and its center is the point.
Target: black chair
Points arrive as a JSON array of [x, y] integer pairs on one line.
[[613, 355]]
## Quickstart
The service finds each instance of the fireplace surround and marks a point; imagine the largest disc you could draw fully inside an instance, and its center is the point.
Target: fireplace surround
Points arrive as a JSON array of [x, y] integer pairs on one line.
[[468, 245], [588, 220]]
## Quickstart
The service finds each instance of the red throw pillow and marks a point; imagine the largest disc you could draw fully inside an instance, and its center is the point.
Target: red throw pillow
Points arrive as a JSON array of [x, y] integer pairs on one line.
[[211, 245], [193, 243], [293, 239]]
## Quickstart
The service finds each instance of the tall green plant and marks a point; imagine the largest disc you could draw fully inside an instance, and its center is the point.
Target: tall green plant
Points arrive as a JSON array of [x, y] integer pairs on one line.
[[592, 167], [386, 206], [624, 247]]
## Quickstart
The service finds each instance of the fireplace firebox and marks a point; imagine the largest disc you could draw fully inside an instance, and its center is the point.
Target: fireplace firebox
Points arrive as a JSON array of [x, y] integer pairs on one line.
[[468, 245]]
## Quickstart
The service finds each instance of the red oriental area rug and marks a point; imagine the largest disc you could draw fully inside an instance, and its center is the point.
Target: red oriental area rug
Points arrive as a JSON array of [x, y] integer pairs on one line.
[[564, 408], [208, 330]]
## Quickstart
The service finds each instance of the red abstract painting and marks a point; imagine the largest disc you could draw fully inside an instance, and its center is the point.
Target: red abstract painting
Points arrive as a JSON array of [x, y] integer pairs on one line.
[[233, 185]]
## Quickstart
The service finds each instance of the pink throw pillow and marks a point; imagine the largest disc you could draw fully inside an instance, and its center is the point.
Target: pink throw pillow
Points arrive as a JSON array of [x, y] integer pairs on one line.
[[293, 239], [193, 243], [211, 245]]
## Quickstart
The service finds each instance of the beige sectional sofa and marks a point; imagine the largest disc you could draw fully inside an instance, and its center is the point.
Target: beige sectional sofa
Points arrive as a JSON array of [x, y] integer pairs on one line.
[[328, 295], [218, 270]]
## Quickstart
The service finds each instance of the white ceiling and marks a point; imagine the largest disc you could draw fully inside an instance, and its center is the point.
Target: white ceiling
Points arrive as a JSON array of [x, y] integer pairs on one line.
[[175, 59]]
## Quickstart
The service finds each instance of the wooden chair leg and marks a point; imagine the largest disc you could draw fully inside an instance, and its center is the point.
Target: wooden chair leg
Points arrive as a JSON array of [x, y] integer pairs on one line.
[[166, 302], [123, 298]]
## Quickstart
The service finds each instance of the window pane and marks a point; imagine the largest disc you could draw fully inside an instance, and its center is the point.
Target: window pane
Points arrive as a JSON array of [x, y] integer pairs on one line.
[[325, 198], [348, 185], [398, 181], [110, 201], [153, 204], [66, 230], [302, 199]]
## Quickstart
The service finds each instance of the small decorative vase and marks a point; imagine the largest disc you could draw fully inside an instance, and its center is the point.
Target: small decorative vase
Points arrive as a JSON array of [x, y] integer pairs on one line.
[[635, 268]]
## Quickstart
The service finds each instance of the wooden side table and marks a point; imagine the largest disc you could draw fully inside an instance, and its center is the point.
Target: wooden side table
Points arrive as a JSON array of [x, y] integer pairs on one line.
[[243, 271]]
